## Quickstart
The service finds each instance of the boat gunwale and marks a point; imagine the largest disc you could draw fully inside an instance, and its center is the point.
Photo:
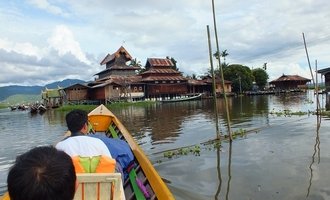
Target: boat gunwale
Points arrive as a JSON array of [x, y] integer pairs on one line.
[[157, 184]]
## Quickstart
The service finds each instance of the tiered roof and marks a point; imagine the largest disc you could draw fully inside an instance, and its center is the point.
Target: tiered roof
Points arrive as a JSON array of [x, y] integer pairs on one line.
[[160, 69]]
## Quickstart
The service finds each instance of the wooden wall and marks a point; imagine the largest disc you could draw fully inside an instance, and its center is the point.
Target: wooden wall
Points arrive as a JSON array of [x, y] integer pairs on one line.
[[76, 93], [166, 89]]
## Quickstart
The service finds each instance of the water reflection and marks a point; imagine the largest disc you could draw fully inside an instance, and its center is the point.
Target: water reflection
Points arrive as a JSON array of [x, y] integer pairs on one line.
[[20, 131], [316, 151], [229, 171], [276, 158], [164, 123], [219, 173], [161, 122]]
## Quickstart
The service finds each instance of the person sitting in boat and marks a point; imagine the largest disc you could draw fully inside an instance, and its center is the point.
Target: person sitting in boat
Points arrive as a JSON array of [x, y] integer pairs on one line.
[[42, 173], [89, 155], [84, 150], [78, 144], [120, 151]]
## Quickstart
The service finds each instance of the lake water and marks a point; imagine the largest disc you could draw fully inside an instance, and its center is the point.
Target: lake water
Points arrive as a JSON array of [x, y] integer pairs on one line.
[[281, 156]]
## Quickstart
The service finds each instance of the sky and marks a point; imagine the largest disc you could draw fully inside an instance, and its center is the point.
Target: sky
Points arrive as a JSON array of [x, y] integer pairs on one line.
[[42, 41]]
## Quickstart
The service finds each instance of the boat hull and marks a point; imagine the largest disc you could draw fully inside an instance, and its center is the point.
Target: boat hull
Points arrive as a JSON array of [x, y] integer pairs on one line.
[[101, 118], [191, 98]]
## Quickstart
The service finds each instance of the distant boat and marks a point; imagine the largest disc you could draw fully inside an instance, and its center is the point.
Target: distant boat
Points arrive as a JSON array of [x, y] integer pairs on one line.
[[33, 109], [187, 98], [42, 108], [13, 107], [37, 108]]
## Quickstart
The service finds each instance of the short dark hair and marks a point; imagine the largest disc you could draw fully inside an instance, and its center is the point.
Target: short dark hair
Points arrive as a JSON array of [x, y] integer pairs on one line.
[[76, 119], [42, 173]]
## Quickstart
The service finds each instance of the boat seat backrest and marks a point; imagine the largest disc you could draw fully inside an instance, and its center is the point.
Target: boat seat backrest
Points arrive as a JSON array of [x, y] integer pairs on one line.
[[103, 186]]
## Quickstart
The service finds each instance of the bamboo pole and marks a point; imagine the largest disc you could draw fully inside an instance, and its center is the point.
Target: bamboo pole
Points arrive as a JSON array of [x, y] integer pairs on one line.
[[221, 72], [310, 69], [309, 63], [213, 84], [318, 108]]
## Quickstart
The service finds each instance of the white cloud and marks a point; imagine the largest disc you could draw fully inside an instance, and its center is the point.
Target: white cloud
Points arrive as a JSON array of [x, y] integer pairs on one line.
[[58, 34], [47, 6], [63, 41]]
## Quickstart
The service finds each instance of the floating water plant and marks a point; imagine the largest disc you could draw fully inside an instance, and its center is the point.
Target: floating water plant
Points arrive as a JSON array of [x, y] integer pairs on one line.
[[183, 151], [287, 113]]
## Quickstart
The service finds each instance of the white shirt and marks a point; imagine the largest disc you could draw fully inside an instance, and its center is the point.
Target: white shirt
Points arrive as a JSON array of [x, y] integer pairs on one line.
[[83, 146]]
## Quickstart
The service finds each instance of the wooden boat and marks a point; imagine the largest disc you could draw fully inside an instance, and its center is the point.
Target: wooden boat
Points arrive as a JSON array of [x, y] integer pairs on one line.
[[103, 120], [33, 109], [13, 108], [188, 98], [42, 108]]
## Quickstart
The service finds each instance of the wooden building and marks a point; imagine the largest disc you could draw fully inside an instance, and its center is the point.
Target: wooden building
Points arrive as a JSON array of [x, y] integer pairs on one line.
[[205, 86], [161, 80], [118, 81], [76, 93], [326, 73], [116, 64], [118, 88], [53, 98], [290, 82]]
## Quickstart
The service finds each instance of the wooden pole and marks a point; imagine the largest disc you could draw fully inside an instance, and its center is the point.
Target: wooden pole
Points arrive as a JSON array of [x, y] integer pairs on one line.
[[318, 109], [213, 83], [221, 72], [310, 69], [309, 63]]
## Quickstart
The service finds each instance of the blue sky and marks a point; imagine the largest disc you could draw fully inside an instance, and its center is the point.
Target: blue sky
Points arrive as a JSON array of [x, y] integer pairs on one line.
[[42, 41]]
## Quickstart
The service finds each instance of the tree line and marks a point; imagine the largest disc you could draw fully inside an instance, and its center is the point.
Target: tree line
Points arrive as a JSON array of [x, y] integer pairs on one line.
[[243, 78]]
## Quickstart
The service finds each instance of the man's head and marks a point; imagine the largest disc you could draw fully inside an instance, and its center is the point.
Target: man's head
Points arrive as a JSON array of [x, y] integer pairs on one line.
[[42, 173], [76, 120]]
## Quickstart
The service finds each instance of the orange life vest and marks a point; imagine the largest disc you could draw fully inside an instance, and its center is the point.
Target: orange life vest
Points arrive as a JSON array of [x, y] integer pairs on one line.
[[95, 164]]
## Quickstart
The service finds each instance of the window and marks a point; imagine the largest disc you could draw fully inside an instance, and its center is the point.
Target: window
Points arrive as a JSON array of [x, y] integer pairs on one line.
[[156, 81]]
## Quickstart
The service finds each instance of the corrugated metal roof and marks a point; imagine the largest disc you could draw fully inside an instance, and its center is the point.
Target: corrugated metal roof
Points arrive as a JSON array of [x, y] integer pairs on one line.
[[290, 78], [196, 82], [156, 62], [119, 80], [101, 72], [107, 59], [164, 78], [118, 68], [161, 71], [77, 84], [125, 67], [324, 71], [116, 54]]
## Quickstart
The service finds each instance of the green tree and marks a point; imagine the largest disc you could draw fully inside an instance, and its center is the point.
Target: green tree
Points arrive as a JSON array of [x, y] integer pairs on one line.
[[217, 55], [224, 54], [260, 77], [135, 63], [240, 76]]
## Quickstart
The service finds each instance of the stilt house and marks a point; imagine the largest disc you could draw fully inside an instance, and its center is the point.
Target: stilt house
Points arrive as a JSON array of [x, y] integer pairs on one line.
[[162, 80]]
